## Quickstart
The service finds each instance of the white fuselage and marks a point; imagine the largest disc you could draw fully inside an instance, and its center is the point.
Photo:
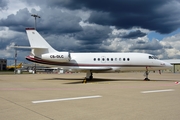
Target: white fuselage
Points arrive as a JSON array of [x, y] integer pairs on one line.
[[108, 62], [118, 61]]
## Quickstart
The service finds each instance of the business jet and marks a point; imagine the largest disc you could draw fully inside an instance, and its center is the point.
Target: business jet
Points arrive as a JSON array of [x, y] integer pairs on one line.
[[102, 62]]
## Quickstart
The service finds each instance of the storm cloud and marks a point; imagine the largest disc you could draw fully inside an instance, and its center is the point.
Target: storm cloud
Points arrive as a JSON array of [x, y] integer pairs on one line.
[[134, 34], [93, 26], [3, 4], [153, 45], [158, 15], [63, 23], [93, 35]]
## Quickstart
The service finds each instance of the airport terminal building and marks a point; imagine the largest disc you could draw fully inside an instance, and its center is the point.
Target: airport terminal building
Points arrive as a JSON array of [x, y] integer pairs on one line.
[[3, 64]]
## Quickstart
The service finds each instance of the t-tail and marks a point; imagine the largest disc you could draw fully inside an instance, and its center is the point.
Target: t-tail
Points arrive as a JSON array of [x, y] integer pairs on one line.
[[42, 50], [38, 43]]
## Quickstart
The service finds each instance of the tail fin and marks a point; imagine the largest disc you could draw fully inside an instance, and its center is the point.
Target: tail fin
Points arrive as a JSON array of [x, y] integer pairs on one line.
[[20, 64], [38, 43]]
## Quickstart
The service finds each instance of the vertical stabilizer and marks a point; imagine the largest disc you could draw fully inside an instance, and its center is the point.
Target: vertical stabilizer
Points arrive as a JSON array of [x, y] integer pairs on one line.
[[38, 43]]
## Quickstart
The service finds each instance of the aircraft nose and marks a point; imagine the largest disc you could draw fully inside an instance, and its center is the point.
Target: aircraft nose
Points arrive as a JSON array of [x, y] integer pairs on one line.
[[166, 64], [169, 64]]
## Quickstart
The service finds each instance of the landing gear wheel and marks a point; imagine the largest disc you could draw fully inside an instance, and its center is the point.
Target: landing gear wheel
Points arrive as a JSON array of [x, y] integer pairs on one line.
[[91, 77], [146, 79], [84, 81]]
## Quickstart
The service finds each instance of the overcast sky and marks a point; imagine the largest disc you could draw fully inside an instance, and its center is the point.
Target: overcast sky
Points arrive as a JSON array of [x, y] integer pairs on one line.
[[146, 26]]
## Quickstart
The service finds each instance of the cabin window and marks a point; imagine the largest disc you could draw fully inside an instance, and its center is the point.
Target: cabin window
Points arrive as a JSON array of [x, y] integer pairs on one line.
[[111, 59], [107, 59], [94, 59], [115, 59], [103, 59], [119, 59], [124, 59], [98, 59], [128, 59]]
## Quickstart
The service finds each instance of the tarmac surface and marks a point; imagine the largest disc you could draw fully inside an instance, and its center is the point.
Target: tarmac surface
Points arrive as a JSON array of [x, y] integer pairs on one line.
[[110, 96]]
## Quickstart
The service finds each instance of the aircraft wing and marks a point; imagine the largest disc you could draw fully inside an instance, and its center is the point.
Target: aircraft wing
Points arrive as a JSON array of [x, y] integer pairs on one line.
[[92, 69]]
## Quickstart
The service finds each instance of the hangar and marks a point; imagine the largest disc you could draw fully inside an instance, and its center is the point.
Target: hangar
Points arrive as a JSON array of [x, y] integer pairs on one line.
[[175, 63]]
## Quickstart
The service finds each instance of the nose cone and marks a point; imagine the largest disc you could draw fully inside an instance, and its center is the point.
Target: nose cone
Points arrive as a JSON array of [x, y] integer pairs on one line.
[[166, 64]]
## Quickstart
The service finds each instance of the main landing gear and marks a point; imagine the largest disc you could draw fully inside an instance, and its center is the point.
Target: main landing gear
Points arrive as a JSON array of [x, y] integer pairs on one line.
[[89, 76]]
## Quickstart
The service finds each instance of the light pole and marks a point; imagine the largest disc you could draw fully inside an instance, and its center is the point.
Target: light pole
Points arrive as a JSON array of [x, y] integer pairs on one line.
[[15, 60], [35, 16]]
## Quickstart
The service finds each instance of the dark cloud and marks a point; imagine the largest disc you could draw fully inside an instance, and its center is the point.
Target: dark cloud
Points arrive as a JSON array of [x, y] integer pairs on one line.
[[149, 14], [19, 21], [93, 34], [167, 47], [91, 48], [89, 39], [56, 23], [102, 18], [3, 44], [35, 2], [59, 24], [152, 45], [134, 34], [3, 4], [19, 39], [140, 42]]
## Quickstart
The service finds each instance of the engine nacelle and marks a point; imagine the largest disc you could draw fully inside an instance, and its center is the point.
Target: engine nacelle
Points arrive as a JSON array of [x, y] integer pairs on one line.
[[57, 56]]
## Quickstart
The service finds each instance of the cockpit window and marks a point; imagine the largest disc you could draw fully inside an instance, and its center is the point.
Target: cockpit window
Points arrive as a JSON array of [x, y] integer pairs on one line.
[[150, 57], [153, 57]]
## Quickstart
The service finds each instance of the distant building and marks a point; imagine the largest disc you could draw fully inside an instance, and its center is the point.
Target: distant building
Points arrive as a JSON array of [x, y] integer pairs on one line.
[[3, 64]]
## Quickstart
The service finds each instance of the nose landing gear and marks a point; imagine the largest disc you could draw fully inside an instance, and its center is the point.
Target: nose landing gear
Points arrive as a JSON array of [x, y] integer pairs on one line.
[[146, 74]]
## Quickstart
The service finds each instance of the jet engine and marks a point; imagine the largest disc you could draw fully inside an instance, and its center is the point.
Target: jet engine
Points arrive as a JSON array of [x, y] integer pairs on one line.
[[57, 56]]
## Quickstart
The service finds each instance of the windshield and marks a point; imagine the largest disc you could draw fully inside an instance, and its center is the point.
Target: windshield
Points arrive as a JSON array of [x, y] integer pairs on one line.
[[153, 57]]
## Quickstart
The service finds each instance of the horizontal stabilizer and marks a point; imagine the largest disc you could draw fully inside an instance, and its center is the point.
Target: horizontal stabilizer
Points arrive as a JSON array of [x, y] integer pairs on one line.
[[28, 47]]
